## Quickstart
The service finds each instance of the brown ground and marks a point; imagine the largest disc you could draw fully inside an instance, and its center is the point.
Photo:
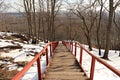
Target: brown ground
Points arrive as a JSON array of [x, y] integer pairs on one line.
[[7, 75]]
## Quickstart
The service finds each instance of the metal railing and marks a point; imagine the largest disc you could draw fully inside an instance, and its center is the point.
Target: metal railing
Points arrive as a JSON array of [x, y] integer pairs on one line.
[[70, 45], [52, 45]]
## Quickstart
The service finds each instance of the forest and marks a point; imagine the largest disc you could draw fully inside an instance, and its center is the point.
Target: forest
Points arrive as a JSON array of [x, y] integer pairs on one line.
[[92, 22]]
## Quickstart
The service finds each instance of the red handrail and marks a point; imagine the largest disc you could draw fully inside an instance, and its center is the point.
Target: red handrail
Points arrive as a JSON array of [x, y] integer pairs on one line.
[[94, 58], [52, 45]]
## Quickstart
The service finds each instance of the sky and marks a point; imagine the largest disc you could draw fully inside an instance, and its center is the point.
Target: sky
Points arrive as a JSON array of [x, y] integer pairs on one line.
[[14, 5]]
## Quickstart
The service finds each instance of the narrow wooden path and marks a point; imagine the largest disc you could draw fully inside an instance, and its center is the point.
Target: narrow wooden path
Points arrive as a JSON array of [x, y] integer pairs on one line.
[[64, 66]]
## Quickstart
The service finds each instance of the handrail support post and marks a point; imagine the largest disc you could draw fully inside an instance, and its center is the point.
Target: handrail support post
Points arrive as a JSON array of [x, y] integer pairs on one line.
[[46, 56], [51, 50], [72, 47], [39, 69], [92, 68], [81, 54], [75, 48]]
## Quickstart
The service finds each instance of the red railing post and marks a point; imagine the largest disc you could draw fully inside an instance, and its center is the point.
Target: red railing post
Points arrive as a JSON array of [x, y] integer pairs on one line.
[[46, 56], [69, 46], [81, 53], [53, 46], [92, 68], [72, 46], [39, 69], [51, 50], [75, 48]]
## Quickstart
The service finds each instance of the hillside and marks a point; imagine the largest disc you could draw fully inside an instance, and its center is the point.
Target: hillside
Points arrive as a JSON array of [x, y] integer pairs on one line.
[[16, 51]]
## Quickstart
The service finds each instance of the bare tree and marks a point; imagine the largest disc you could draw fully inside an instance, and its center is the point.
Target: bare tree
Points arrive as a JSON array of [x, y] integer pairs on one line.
[[53, 7], [28, 10], [42, 16], [116, 22], [4, 7], [87, 23], [99, 24], [111, 12], [69, 25], [34, 19]]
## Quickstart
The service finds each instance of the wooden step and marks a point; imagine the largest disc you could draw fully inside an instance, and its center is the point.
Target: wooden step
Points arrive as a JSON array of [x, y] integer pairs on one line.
[[66, 76]]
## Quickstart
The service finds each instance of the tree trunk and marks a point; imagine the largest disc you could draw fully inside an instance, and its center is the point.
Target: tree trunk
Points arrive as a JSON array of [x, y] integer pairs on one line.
[[39, 19], [39, 27], [48, 21], [89, 43], [98, 28], [44, 38], [34, 22], [108, 39], [52, 19], [27, 6]]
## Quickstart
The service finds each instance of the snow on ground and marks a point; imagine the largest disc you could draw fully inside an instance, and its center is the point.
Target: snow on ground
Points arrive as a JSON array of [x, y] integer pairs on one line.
[[26, 53], [4, 43], [101, 72], [32, 74]]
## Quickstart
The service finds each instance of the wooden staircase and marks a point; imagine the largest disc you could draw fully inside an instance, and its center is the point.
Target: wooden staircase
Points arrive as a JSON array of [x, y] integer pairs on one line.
[[64, 66]]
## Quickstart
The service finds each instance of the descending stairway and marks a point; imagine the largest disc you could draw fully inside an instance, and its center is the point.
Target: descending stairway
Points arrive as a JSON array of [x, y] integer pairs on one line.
[[64, 66]]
